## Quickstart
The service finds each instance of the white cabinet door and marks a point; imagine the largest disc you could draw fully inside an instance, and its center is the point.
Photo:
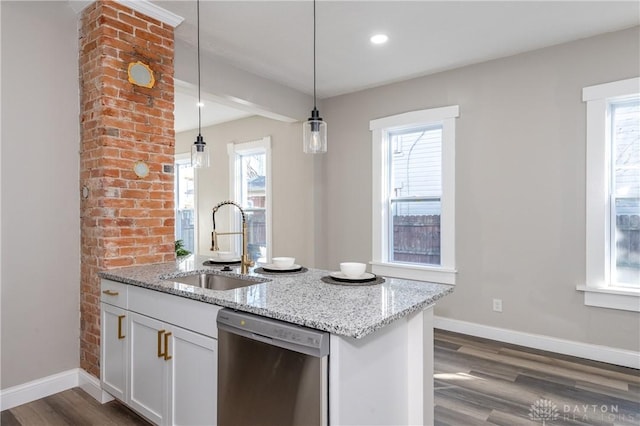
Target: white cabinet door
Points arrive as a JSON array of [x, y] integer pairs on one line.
[[193, 378], [114, 338], [148, 367]]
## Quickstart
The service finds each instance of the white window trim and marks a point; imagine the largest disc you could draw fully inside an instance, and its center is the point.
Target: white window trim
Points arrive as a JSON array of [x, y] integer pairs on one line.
[[446, 273], [598, 288], [186, 156], [243, 149]]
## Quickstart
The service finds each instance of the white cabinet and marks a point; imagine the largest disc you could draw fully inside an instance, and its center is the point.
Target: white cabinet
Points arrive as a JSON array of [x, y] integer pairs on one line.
[[114, 340], [169, 370]]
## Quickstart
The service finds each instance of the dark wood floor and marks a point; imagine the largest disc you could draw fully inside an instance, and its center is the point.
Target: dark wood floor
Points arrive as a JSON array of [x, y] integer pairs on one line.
[[477, 382], [73, 407], [482, 382]]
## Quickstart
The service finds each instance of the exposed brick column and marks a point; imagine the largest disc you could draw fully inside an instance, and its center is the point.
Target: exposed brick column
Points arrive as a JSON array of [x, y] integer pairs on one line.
[[125, 220]]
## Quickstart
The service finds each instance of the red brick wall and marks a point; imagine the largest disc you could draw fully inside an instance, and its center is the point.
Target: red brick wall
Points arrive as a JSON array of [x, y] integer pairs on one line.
[[125, 220]]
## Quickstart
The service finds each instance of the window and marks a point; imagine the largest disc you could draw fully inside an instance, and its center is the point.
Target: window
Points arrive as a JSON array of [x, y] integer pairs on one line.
[[184, 185], [250, 180], [414, 195], [613, 195]]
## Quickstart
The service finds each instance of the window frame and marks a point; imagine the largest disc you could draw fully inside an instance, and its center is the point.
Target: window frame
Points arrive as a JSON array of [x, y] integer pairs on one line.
[[380, 128], [247, 148], [184, 158], [598, 289]]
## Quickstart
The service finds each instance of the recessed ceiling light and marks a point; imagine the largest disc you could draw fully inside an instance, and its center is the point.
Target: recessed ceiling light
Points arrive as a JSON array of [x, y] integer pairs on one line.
[[379, 39], [201, 104]]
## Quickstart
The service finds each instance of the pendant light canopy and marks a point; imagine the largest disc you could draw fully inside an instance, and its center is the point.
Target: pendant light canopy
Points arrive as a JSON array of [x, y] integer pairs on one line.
[[199, 150], [314, 130]]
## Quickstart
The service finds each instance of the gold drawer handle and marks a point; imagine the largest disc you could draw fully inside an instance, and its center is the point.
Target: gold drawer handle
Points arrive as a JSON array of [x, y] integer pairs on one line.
[[111, 293], [120, 335], [167, 357], [160, 353]]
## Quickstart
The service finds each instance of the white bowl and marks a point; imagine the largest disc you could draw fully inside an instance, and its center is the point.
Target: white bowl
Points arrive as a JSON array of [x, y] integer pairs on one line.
[[283, 262], [353, 269], [224, 255]]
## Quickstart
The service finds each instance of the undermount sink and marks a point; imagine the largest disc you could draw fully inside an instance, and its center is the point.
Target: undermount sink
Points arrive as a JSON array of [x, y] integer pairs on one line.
[[216, 281]]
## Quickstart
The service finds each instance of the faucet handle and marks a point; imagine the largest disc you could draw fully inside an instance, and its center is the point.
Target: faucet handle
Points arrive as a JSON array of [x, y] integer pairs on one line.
[[214, 241]]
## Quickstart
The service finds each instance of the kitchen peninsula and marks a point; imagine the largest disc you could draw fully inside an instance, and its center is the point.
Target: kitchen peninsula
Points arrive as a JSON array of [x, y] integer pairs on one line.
[[381, 336]]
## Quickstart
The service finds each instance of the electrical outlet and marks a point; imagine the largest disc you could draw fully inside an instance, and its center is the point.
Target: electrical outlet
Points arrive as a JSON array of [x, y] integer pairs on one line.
[[497, 305]]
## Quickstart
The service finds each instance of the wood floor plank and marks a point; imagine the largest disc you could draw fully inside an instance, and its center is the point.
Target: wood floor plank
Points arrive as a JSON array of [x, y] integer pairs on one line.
[[73, 407], [549, 367], [461, 340], [629, 376], [581, 401], [469, 395], [468, 408], [629, 395], [79, 411], [447, 417], [447, 361], [506, 419], [8, 419], [445, 344], [38, 413], [120, 413]]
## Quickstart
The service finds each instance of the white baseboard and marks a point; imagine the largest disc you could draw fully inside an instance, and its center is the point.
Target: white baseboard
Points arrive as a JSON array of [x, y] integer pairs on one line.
[[91, 385], [40, 388], [601, 353]]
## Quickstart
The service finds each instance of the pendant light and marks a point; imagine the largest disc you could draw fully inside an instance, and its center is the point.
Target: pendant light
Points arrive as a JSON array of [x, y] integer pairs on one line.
[[314, 130], [199, 150]]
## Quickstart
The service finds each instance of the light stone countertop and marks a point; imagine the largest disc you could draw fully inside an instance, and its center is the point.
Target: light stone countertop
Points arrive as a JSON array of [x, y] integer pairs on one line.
[[299, 298]]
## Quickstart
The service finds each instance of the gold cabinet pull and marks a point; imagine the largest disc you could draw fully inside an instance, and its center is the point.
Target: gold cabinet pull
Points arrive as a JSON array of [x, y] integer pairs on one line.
[[167, 357], [160, 353], [120, 318], [111, 293]]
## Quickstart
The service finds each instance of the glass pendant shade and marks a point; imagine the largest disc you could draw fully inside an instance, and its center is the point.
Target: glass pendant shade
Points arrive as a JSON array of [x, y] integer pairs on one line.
[[314, 134], [199, 153]]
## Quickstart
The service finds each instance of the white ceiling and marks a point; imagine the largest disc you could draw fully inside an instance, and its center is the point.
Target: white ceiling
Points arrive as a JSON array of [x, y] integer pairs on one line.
[[273, 39], [186, 110]]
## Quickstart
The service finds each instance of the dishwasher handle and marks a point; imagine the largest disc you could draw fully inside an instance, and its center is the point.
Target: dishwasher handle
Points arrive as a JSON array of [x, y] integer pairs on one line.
[[262, 339]]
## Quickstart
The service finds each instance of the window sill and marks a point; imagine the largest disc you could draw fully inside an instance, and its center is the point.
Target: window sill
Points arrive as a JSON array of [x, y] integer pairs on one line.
[[414, 272], [621, 298]]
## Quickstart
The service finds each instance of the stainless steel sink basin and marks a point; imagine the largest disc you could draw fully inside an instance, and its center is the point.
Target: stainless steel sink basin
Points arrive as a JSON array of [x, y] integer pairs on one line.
[[216, 281]]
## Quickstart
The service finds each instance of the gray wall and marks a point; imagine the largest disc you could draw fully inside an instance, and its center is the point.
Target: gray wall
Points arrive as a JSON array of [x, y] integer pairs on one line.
[[292, 186], [40, 197], [520, 184], [238, 88]]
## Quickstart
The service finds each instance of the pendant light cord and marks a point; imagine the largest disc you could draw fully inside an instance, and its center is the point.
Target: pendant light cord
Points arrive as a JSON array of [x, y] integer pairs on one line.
[[199, 101], [314, 54]]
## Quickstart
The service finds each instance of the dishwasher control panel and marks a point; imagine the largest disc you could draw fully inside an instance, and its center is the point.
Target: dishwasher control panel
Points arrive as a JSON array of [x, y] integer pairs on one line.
[[275, 332]]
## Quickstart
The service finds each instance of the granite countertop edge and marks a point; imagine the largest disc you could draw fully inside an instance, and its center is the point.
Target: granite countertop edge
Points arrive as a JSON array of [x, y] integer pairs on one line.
[[334, 327]]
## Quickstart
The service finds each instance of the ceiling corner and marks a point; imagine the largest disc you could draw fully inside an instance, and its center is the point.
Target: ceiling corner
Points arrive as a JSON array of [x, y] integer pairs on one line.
[[153, 11]]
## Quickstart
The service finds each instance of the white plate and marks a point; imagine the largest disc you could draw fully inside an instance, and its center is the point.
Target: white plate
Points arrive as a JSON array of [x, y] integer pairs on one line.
[[339, 275], [281, 268], [224, 259]]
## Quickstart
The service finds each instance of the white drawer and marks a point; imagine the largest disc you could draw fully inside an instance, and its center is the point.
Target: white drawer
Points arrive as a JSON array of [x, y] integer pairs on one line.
[[193, 315], [114, 293]]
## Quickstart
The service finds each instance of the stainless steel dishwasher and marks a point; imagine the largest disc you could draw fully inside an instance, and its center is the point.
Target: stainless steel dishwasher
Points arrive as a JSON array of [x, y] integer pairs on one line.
[[270, 372]]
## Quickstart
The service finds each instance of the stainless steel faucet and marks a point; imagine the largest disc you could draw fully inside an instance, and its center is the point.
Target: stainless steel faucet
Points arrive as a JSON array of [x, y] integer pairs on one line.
[[245, 262]]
